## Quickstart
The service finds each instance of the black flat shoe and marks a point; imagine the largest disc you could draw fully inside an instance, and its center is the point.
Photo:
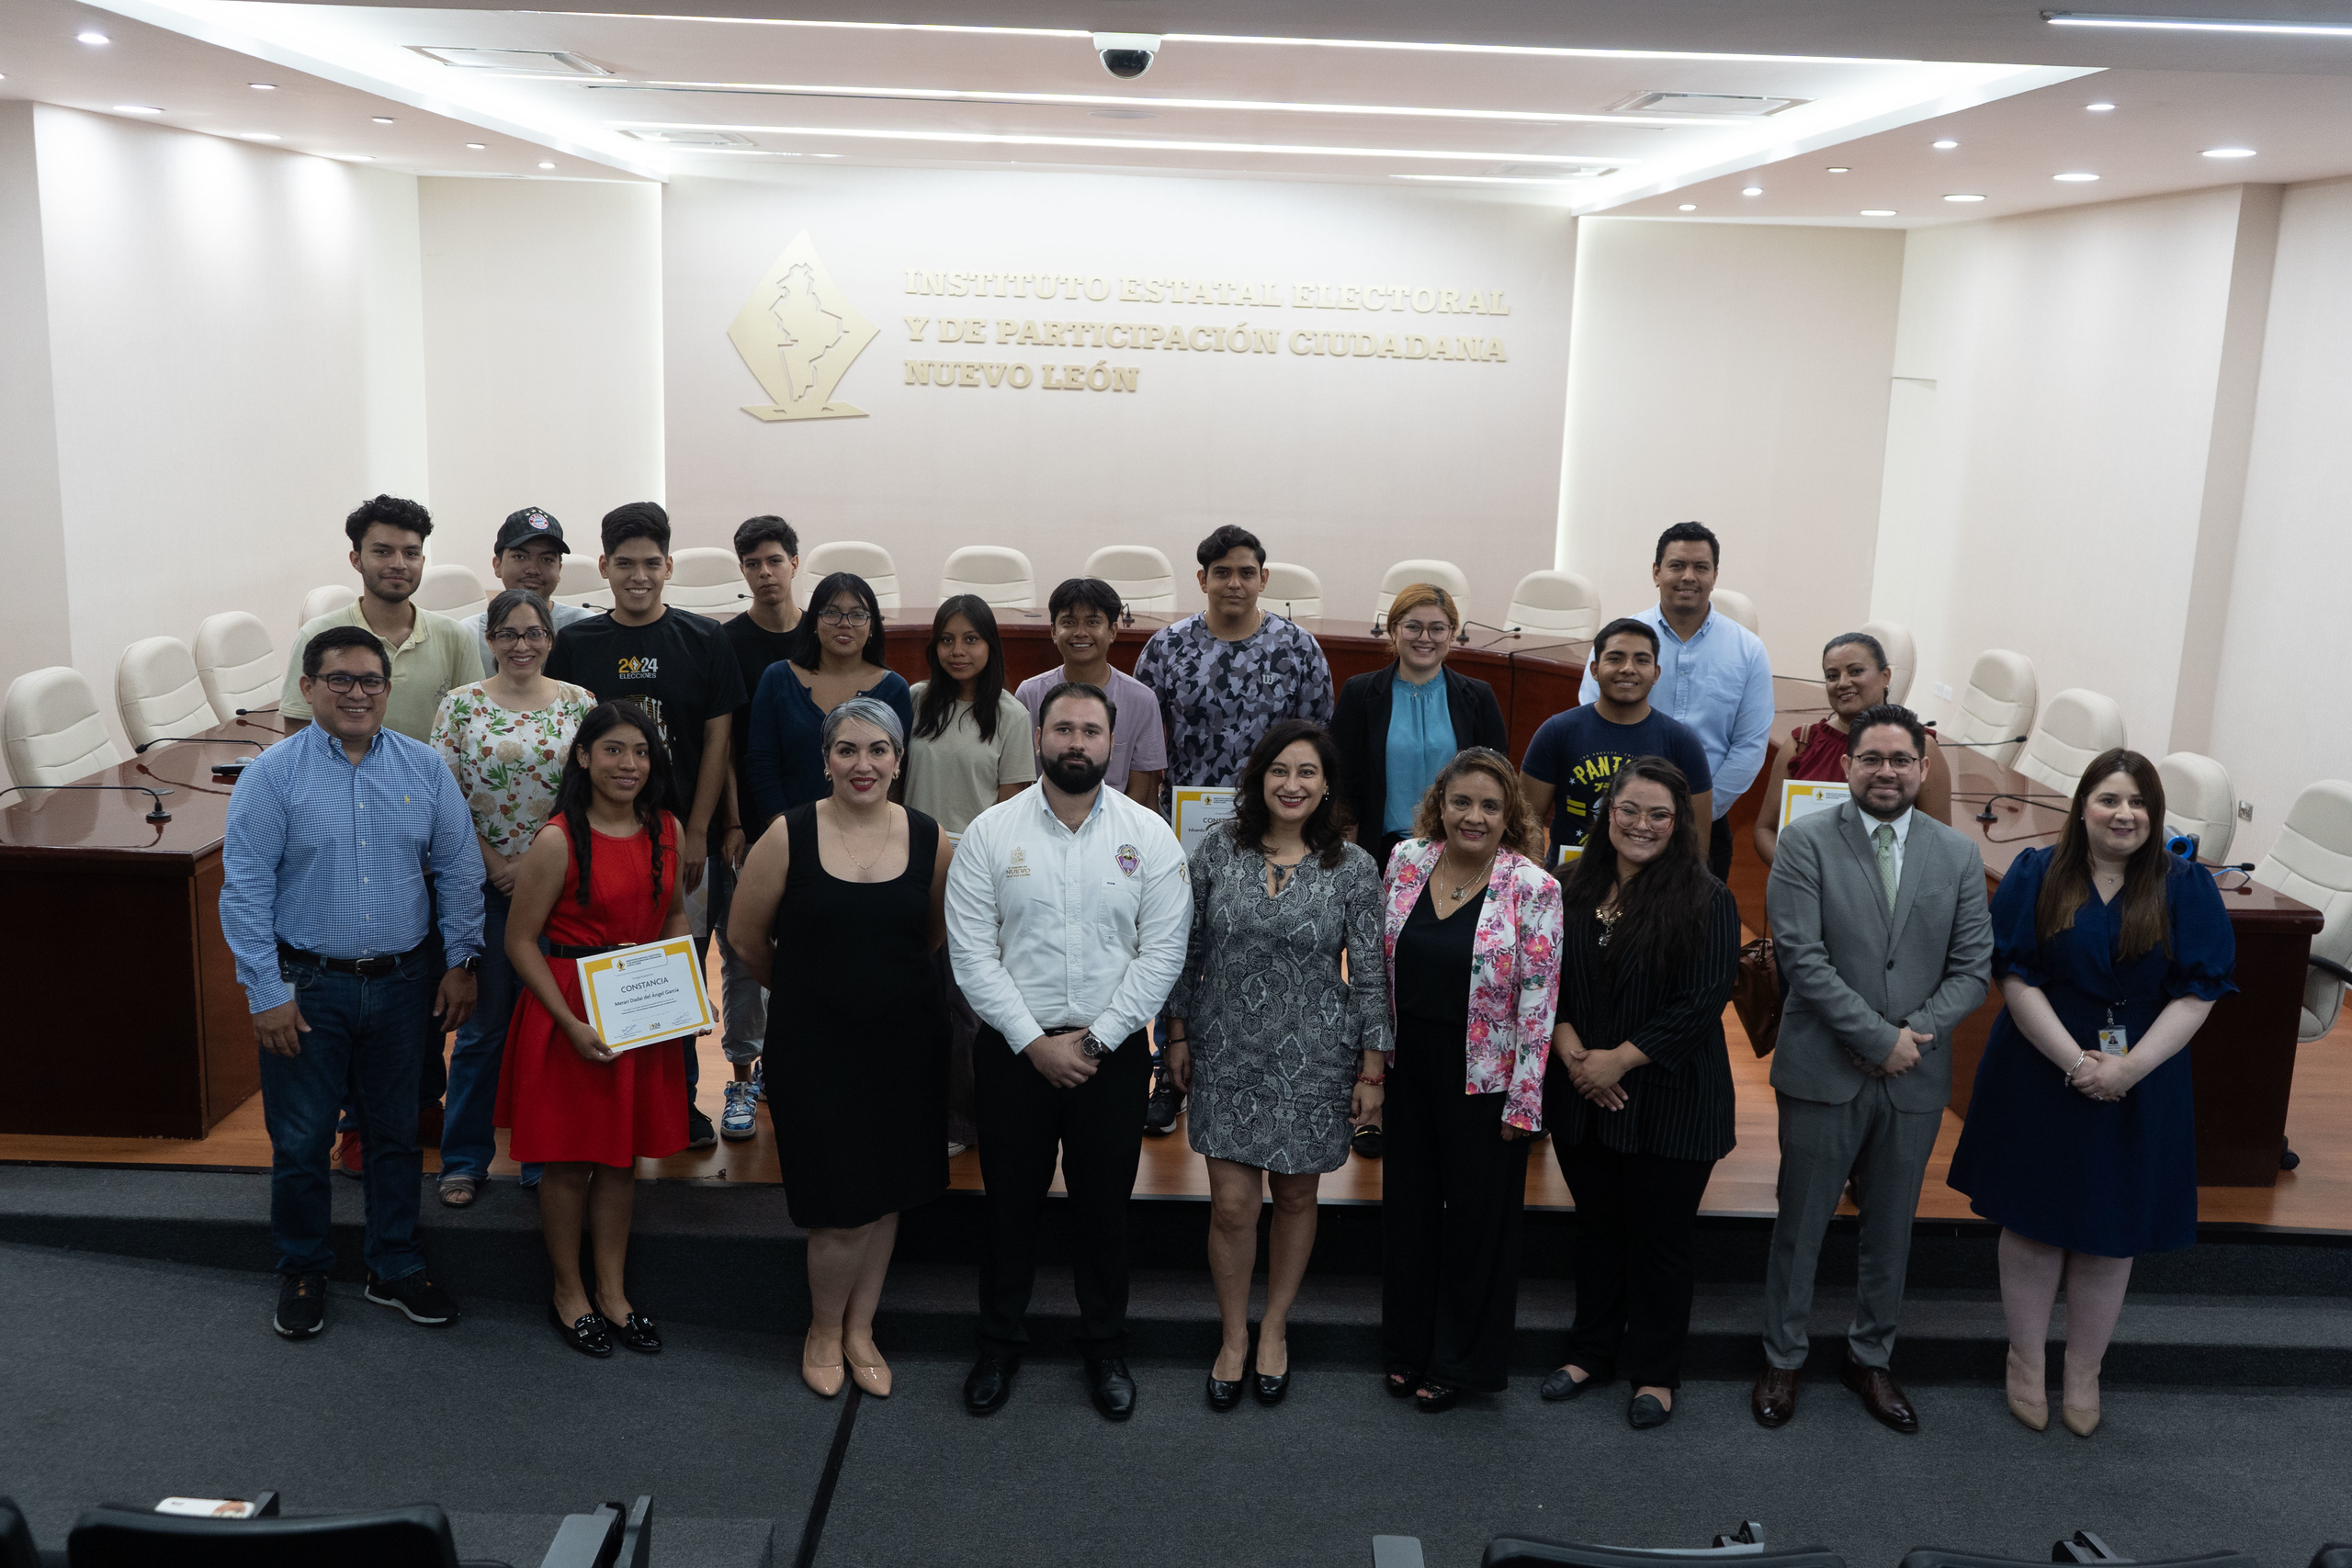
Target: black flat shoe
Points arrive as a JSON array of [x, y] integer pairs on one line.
[[588, 1335], [1367, 1141], [1224, 1395], [1647, 1412], [1400, 1386], [1558, 1385], [1435, 1398], [637, 1332]]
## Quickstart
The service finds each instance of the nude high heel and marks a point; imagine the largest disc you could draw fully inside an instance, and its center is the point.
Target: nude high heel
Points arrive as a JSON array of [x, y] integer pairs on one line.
[[2081, 1419], [2032, 1414], [826, 1381]]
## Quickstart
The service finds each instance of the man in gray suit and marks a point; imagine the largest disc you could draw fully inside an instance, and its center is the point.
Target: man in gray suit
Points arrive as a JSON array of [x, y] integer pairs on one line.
[[1885, 945]]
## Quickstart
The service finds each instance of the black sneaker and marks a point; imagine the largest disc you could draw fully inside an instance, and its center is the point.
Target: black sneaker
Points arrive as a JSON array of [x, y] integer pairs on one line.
[[1159, 1112], [416, 1295], [700, 1134], [302, 1306]]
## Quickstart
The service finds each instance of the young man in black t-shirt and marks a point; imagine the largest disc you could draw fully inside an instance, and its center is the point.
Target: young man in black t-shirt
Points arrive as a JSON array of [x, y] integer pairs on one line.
[[1576, 754], [680, 669]]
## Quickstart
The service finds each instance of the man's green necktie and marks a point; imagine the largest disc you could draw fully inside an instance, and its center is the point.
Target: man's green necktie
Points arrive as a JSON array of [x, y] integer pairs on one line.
[[1884, 838]]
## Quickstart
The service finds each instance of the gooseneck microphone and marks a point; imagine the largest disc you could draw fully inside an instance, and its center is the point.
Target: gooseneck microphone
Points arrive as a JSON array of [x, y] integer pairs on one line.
[[158, 814], [1463, 637], [141, 750], [2012, 740], [2047, 802]]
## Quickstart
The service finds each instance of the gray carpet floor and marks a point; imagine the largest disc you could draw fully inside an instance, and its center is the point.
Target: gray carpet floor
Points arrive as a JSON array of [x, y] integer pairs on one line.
[[124, 1381]]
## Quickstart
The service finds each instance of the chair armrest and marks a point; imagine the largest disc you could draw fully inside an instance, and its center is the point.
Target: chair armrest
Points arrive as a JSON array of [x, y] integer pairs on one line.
[[2329, 966]]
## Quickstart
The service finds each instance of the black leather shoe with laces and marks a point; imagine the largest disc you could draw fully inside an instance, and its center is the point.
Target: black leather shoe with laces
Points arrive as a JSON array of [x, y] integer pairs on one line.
[[1114, 1390]]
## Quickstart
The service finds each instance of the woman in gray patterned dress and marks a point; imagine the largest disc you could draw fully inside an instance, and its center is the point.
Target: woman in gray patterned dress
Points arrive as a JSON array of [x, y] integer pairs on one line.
[[1281, 1053]]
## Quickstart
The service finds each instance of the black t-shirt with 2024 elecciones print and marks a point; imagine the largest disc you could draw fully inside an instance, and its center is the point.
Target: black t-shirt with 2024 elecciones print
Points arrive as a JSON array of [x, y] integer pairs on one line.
[[680, 669]]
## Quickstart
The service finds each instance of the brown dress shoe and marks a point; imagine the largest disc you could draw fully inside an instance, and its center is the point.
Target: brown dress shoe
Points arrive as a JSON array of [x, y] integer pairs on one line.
[[1880, 1395], [1774, 1399]]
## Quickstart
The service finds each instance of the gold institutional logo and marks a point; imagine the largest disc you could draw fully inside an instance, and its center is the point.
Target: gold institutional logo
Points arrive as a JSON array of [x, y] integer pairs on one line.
[[799, 334]]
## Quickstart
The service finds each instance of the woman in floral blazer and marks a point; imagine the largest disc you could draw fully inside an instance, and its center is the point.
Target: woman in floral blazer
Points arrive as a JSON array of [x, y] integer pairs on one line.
[[1474, 969]]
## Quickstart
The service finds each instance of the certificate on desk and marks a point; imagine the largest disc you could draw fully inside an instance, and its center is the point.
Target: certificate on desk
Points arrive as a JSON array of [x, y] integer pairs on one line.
[[1803, 797], [1199, 807], [641, 996]]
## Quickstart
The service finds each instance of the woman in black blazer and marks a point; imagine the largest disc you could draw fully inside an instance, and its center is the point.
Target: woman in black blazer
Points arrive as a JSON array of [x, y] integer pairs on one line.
[[1390, 740]]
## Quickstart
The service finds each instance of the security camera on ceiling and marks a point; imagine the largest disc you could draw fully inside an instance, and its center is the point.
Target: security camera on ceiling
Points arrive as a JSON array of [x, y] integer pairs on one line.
[[1126, 55]]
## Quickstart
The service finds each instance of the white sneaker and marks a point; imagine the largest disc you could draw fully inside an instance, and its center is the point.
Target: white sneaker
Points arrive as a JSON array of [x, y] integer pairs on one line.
[[736, 1123]]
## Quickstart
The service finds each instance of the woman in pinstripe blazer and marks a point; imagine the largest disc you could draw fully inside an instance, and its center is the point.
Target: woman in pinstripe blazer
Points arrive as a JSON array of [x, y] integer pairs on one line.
[[1639, 1093]]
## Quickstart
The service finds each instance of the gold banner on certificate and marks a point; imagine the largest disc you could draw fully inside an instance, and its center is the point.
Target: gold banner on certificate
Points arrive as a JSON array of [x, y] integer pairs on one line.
[[641, 996], [1199, 807], [1803, 797]]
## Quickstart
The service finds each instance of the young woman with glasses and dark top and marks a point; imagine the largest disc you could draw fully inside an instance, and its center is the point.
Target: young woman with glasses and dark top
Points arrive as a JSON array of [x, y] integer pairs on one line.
[[838, 653], [504, 739], [602, 874], [1638, 1095], [1472, 939]]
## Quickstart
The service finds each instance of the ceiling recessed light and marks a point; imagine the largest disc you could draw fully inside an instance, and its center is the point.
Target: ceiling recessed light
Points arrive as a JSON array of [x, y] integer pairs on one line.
[[476, 147], [383, 119], [1753, 190], [263, 87], [1878, 213], [150, 109], [2229, 152], [1946, 145], [258, 136], [2099, 108], [92, 36], [2077, 178], [1130, 143], [1963, 196], [1839, 169], [1688, 207], [546, 165]]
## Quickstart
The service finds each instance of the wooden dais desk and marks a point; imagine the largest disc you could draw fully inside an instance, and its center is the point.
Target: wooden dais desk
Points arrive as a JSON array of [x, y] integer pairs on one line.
[[115, 921], [2243, 1060]]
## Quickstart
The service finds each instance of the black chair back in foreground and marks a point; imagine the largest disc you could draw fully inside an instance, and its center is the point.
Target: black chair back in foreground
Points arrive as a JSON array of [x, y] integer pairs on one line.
[[15, 1538], [416, 1536], [2334, 1554], [1745, 1550], [2082, 1547]]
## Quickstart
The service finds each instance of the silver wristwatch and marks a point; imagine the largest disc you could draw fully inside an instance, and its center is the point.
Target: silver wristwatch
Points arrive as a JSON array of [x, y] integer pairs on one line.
[[1093, 1049]]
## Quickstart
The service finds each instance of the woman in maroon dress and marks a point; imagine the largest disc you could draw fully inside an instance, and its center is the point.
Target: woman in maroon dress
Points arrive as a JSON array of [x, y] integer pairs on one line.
[[601, 874], [1854, 674]]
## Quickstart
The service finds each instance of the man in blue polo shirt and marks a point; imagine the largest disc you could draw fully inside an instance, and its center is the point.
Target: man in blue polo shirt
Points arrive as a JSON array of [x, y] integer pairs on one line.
[[325, 903], [1713, 672]]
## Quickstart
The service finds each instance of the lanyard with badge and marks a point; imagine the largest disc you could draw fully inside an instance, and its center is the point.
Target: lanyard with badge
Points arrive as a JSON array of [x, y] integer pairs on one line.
[[2114, 1040]]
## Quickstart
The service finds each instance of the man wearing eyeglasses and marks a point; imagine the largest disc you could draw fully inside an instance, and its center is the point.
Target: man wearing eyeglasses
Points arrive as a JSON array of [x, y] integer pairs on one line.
[[529, 554], [1879, 921], [325, 904]]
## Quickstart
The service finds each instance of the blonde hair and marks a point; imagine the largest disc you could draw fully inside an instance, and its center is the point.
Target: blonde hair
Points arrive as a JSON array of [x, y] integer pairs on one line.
[[1416, 594], [1519, 821]]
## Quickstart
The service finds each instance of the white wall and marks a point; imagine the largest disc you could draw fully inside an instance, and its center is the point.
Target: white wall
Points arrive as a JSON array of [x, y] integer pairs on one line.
[[33, 622], [232, 337], [1341, 464], [1736, 374], [2070, 387], [2281, 723], [542, 347]]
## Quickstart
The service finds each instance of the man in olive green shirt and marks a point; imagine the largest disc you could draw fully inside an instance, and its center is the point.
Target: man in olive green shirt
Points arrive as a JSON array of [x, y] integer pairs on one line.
[[430, 653]]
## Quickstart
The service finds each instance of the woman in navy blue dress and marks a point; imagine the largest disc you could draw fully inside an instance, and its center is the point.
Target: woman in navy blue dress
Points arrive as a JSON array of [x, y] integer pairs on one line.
[[2081, 1140]]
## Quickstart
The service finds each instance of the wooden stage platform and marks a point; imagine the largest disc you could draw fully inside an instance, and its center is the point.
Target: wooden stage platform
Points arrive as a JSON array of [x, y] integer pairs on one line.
[[2315, 1197]]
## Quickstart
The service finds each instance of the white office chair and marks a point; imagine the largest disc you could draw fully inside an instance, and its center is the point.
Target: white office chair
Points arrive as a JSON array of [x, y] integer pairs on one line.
[[582, 583], [1000, 576], [2199, 799], [1405, 573], [450, 590], [1902, 658], [325, 600], [158, 694], [2312, 860], [871, 562], [1144, 579], [1292, 592], [2075, 728], [1998, 708], [1739, 607], [706, 580], [1560, 603], [239, 667], [52, 729]]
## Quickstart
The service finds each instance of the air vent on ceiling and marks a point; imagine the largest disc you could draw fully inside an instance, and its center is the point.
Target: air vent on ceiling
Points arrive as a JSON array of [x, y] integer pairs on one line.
[[1736, 106], [533, 61], [694, 138]]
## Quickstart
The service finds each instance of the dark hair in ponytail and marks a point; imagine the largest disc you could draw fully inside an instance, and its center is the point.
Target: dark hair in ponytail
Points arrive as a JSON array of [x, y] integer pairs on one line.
[[573, 790]]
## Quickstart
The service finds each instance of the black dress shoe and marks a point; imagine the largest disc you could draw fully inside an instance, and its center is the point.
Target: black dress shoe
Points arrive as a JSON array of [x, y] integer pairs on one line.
[[1367, 1141], [637, 1332], [1880, 1395], [1114, 1390], [1224, 1395], [1646, 1412], [1435, 1398], [989, 1384], [1558, 1385], [588, 1335]]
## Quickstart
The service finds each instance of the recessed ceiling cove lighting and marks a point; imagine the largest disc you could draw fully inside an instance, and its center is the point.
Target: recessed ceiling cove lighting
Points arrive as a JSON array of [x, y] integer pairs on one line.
[[263, 87], [2099, 108], [383, 120], [1839, 169], [258, 136], [1127, 143], [2229, 152], [1878, 213], [136, 108], [2074, 179], [1946, 145], [546, 165], [1963, 196], [91, 35], [1688, 207], [2193, 24], [1753, 190], [477, 147]]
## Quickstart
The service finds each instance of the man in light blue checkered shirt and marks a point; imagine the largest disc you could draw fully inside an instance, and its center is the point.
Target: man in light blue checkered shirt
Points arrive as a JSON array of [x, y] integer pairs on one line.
[[324, 901]]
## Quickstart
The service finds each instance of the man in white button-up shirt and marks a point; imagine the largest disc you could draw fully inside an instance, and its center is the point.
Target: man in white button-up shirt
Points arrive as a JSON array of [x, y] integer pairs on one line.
[[1069, 909]]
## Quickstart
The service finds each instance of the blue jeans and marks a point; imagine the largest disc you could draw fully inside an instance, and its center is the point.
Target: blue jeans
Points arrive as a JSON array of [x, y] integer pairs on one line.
[[367, 1041], [469, 1139]]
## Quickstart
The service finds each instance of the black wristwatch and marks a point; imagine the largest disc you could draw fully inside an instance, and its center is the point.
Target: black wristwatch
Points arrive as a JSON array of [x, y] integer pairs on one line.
[[1093, 1049], [471, 965]]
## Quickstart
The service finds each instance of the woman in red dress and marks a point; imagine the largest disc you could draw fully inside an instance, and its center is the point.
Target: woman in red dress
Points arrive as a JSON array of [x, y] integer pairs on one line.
[[601, 874], [1854, 675]]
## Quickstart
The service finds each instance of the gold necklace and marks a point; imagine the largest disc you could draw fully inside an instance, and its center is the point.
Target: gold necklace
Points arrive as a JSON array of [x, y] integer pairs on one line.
[[842, 830]]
